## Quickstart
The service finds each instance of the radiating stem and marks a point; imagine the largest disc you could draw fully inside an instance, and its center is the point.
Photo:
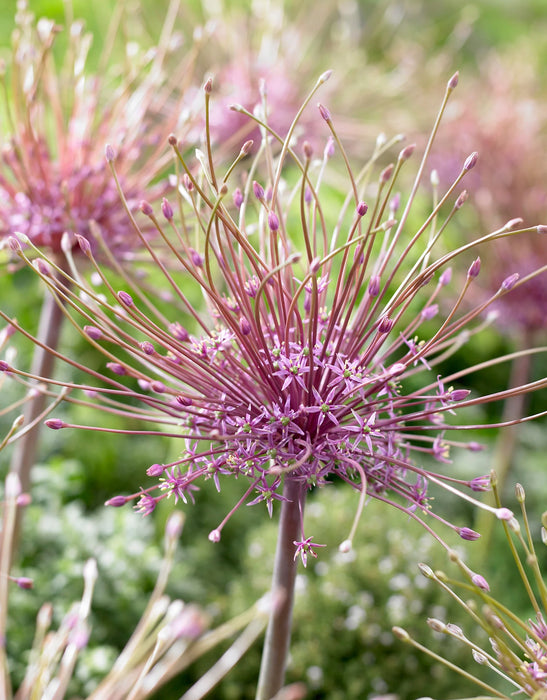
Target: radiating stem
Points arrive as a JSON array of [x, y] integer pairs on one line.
[[278, 634]]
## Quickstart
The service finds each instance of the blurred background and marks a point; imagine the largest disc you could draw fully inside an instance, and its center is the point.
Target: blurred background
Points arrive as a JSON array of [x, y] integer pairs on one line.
[[391, 61]]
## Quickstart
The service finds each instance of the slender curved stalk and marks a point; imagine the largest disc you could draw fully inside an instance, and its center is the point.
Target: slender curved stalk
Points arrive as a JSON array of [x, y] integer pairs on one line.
[[278, 634]]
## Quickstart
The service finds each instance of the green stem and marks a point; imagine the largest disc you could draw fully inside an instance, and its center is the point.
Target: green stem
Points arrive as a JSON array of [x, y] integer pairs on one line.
[[278, 634]]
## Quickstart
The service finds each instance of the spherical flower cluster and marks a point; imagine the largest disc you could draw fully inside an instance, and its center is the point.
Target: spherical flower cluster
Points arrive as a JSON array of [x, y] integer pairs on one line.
[[53, 176], [315, 354]]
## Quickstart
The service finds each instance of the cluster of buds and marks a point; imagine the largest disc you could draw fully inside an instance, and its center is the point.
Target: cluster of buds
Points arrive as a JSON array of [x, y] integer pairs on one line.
[[517, 651]]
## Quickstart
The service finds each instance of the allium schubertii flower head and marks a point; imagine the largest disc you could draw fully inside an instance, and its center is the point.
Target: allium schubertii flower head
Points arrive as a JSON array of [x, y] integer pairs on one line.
[[298, 347]]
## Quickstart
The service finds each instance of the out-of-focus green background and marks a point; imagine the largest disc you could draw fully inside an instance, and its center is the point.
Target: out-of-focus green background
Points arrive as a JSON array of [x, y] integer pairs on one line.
[[359, 599]]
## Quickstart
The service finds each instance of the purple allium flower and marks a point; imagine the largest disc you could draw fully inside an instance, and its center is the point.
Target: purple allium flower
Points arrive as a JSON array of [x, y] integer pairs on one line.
[[53, 176], [317, 353], [507, 181]]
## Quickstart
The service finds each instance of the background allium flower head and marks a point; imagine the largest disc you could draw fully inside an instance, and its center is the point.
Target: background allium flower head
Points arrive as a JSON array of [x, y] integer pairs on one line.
[[53, 175], [503, 120], [317, 354]]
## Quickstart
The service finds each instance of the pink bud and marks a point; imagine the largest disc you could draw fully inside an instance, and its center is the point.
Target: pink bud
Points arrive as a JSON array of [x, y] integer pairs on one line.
[[471, 161], [247, 147], [273, 221], [480, 582], [307, 149], [244, 326], [117, 368], [238, 198], [125, 298], [208, 87], [155, 470], [459, 394], [93, 332], [374, 286], [329, 148], [324, 112], [55, 424], [386, 173], [167, 209], [84, 244], [541, 228], [109, 153], [24, 582], [147, 348], [214, 536], [362, 208], [430, 312], [453, 81], [509, 282], [446, 276], [474, 268], [385, 325], [407, 152], [116, 502], [258, 190], [462, 198], [146, 208], [467, 534]]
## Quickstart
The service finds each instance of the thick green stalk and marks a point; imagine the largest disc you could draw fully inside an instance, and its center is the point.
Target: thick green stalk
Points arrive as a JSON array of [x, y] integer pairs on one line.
[[278, 634]]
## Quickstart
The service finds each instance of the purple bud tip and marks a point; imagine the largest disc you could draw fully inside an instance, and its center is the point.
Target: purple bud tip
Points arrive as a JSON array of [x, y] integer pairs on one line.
[[84, 244], [238, 198], [14, 244], [197, 259], [43, 267], [24, 582], [184, 401], [116, 502], [244, 326], [146, 208], [509, 282], [462, 198], [480, 483], [214, 536], [446, 276], [273, 221], [208, 87], [307, 149], [147, 348], [258, 190], [315, 266], [471, 161], [374, 286], [172, 140], [453, 81], [395, 202], [117, 368], [467, 534], [329, 148], [93, 332], [385, 325], [125, 298], [4, 366], [480, 582], [407, 151], [56, 424], [504, 514], [475, 447], [155, 470], [324, 112], [459, 394], [247, 147], [179, 332], [362, 208], [187, 182], [474, 268], [386, 173], [24, 499], [166, 209], [109, 153], [430, 312], [158, 387], [541, 228]]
